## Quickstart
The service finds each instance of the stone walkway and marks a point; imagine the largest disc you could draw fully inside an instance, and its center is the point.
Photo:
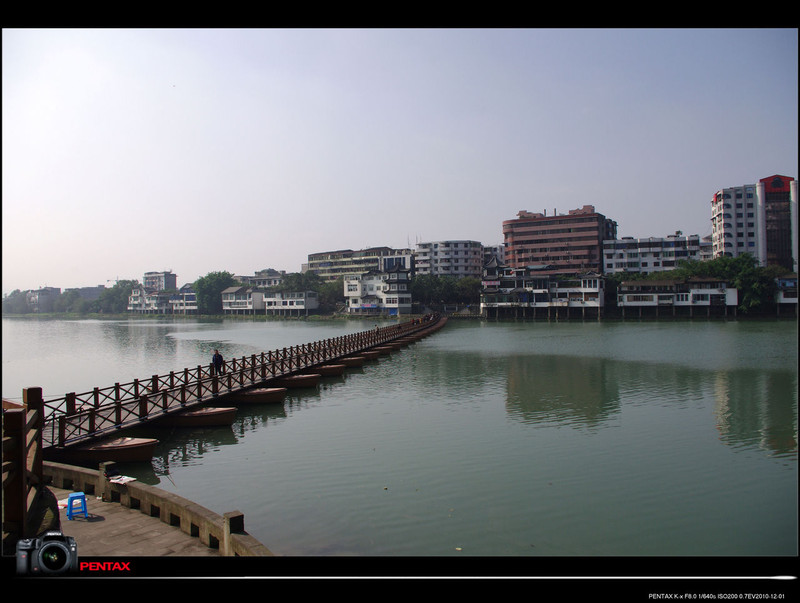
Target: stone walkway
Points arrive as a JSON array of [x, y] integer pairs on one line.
[[115, 530]]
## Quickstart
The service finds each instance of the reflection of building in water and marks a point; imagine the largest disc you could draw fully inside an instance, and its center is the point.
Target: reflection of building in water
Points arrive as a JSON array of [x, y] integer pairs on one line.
[[561, 389], [757, 407]]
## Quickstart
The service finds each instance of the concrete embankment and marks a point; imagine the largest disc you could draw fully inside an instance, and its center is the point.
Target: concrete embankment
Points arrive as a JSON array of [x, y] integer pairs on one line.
[[137, 519]]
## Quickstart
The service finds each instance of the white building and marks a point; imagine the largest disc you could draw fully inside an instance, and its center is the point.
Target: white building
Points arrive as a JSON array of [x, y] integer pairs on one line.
[[290, 303], [379, 292], [242, 300], [453, 258], [669, 296], [185, 301], [149, 301], [759, 219], [653, 254]]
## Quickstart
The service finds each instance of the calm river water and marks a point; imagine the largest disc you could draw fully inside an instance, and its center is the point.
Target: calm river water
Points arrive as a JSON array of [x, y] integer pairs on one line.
[[672, 438]]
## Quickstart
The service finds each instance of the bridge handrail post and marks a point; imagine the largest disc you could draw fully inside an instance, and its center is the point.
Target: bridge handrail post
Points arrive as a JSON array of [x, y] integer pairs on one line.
[[62, 430], [135, 388], [154, 384], [34, 402], [70, 403], [143, 406]]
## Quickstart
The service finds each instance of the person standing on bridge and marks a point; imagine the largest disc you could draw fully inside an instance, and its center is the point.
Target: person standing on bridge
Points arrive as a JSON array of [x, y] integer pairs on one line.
[[218, 363]]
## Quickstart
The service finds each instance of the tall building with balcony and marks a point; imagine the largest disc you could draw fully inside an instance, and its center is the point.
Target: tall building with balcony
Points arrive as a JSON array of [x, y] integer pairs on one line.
[[652, 254], [453, 258], [387, 292], [558, 244], [346, 263], [759, 219]]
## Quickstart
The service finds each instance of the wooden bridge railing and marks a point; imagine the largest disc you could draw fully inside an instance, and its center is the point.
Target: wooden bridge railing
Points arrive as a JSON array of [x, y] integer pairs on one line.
[[77, 417]]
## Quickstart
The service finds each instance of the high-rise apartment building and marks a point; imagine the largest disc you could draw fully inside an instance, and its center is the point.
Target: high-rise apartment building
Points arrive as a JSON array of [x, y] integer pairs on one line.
[[160, 281], [780, 220], [759, 219], [453, 258], [558, 244]]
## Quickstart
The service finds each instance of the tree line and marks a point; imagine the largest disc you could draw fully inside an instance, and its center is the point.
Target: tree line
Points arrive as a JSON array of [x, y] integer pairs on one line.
[[756, 285]]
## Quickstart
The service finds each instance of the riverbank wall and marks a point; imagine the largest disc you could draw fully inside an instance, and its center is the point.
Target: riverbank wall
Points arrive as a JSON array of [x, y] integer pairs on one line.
[[224, 532]]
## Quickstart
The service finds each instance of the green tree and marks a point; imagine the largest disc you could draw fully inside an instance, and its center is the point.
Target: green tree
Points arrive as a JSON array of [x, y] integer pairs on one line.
[[69, 301], [425, 289], [330, 294], [469, 290], [115, 299], [209, 290], [16, 302]]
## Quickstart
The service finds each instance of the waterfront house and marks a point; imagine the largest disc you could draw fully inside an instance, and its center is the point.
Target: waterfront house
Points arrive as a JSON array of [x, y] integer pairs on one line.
[[535, 292], [786, 294], [149, 301], [379, 292], [242, 300], [674, 297], [290, 303], [184, 301]]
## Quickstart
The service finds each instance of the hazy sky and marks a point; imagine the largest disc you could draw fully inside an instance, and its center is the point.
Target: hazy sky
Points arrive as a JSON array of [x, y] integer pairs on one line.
[[197, 150]]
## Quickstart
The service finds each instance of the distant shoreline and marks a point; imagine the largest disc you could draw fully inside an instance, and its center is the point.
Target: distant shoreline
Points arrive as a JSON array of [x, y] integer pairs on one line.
[[612, 316]]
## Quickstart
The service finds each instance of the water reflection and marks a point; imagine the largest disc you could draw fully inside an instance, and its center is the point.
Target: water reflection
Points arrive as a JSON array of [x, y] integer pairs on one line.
[[757, 408], [564, 391], [752, 407]]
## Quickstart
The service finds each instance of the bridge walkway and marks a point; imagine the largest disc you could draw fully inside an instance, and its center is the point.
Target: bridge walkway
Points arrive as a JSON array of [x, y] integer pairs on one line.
[[77, 419]]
